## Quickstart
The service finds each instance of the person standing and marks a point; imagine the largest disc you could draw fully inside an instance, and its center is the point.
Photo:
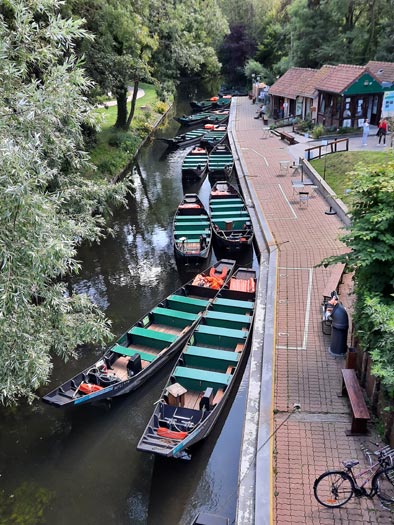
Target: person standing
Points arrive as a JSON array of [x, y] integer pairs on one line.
[[382, 131], [365, 132]]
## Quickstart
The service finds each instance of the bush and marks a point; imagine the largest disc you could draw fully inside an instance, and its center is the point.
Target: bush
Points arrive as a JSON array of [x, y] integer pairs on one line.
[[161, 107], [317, 131]]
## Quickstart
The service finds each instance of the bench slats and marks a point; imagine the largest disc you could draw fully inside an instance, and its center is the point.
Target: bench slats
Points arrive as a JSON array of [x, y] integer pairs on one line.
[[360, 411], [130, 352]]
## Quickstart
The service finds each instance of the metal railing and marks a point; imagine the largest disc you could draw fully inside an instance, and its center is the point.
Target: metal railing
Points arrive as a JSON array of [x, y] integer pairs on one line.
[[323, 148]]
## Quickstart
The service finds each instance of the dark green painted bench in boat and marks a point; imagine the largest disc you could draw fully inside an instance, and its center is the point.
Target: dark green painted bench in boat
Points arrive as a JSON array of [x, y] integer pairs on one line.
[[153, 338], [187, 304], [170, 317], [238, 222], [232, 306], [202, 357], [227, 320], [198, 224], [217, 202], [186, 218], [218, 337], [197, 379], [228, 206], [228, 214], [131, 351], [186, 233]]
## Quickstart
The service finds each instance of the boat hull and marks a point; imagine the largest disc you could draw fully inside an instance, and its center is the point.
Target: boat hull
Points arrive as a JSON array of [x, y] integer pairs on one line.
[[144, 349], [198, 388]]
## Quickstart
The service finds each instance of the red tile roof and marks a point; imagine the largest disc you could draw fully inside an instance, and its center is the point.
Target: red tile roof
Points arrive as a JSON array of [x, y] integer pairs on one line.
[[383, 71], [340, 77], [290, 84]]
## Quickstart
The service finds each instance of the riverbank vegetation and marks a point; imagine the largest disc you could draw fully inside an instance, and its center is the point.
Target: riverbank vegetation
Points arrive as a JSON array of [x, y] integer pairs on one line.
[[338, 169]]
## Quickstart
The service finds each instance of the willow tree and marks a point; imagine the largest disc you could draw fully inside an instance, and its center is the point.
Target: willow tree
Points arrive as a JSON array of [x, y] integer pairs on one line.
[[46, 207]]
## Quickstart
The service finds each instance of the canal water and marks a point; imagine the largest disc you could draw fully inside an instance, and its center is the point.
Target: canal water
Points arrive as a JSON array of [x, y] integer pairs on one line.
[[82, 466]]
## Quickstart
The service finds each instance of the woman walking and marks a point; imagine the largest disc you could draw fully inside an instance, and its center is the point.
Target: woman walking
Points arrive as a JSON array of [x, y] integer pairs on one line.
[[365, 132], [382, 131]]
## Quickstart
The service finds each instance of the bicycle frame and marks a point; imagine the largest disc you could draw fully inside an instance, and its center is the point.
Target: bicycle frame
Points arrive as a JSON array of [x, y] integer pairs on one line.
[[360, 488]]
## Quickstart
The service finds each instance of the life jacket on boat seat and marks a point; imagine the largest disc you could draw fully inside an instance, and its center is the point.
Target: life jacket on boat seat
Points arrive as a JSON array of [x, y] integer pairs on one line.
[[88, 388], [212, 273], [172, 434]]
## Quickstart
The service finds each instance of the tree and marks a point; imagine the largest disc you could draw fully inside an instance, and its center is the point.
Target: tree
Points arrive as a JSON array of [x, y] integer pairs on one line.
[[371, 257], [120, 55], [46, 206], [189, 33]]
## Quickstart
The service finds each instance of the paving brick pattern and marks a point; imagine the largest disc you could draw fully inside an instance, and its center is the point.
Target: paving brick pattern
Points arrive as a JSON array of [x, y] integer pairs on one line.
[[313, 440]]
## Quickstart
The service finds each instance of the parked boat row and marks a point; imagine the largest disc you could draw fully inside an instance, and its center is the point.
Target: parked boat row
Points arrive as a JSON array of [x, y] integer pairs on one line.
[[217, 116], [218, 102], [147, 346], [205, 372], [228, 222]]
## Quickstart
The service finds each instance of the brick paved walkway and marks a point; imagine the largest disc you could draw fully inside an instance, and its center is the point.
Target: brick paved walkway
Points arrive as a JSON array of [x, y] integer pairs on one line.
[[314, 439]]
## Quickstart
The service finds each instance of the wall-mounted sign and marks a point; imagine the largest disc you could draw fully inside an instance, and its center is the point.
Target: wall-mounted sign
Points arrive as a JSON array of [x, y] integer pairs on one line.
[[388, 104]]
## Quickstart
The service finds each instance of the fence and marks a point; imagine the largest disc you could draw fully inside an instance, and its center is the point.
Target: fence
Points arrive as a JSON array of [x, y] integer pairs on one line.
[[332, 145]]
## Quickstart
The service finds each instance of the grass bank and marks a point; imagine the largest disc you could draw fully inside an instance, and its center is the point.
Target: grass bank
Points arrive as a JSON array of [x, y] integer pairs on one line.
[[114, 149], [336, 168]]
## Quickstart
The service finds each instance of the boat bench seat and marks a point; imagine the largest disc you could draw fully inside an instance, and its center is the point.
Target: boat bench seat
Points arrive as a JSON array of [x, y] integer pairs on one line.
[[171, 317], [216, 336], [153, 338], [227, 205], [130, 352], [197, 221], [185, 233], [225, 319], [238, 223], [203, 357], [232, 305], [189, 241], [189, 304], [197, 379], [229, 214]]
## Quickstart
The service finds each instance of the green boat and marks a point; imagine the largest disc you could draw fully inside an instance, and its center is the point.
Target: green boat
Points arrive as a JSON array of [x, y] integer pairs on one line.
[[220, 162], [147, 346], [192, 230], [231, 223], [195, 164], [205, 373]]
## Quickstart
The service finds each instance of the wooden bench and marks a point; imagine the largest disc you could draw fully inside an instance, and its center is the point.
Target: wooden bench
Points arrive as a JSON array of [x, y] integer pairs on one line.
[[360, 413], [122, 350], [286, 136], [334, 281]]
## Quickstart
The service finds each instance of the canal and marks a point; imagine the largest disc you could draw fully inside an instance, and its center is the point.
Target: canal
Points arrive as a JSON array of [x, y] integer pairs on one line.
[[82, 466]]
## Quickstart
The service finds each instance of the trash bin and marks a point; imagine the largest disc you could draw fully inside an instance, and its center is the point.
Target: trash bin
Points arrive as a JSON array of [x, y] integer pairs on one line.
[[340, 325], [265, 121]]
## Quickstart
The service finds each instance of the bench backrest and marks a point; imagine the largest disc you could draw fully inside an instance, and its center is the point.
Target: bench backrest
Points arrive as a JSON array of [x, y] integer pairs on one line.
[[170, 317], [209, 358], [152, 338], [199, 380], [187, 304]]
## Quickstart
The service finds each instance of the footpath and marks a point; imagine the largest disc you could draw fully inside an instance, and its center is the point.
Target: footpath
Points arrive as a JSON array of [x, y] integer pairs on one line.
[[298, 367]]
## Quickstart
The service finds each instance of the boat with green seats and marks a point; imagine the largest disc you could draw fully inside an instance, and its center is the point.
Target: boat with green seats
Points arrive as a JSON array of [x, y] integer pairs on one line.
[[148, 345], [192, 230], [195, 163], [220, 162], [232, 225], [205, 373]]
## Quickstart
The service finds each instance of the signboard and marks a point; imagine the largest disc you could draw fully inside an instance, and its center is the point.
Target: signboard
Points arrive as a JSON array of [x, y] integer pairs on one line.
[[388, 104]]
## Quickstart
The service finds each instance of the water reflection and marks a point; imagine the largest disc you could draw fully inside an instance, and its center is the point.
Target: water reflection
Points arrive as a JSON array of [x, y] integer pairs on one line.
[[86, 459]]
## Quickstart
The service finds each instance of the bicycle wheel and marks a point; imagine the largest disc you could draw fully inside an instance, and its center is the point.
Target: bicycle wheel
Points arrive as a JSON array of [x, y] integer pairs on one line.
[[333, 488], [383, 484]]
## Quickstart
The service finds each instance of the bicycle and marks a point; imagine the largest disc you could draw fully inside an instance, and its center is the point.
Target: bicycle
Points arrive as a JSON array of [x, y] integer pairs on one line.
[[335, 488]]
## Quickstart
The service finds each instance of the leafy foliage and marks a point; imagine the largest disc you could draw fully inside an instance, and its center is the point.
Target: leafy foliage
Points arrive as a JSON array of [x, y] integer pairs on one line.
[[46, 207]]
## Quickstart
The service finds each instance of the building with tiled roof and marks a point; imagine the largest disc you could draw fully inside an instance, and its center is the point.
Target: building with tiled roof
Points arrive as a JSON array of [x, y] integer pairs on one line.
[[335, 96]]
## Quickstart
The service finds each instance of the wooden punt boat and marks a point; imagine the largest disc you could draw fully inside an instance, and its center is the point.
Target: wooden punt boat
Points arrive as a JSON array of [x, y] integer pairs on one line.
[[214, 102], [218, 116], [192, 120], [220, 162], [147, 346], [213, 137], [231, 223], [205, 373], [195, 164], [206, 518], [185, 139], [192, 230]]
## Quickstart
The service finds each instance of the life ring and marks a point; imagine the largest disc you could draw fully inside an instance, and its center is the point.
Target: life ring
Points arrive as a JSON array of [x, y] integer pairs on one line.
[[88, 388], [212, 273], [172, 434]]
